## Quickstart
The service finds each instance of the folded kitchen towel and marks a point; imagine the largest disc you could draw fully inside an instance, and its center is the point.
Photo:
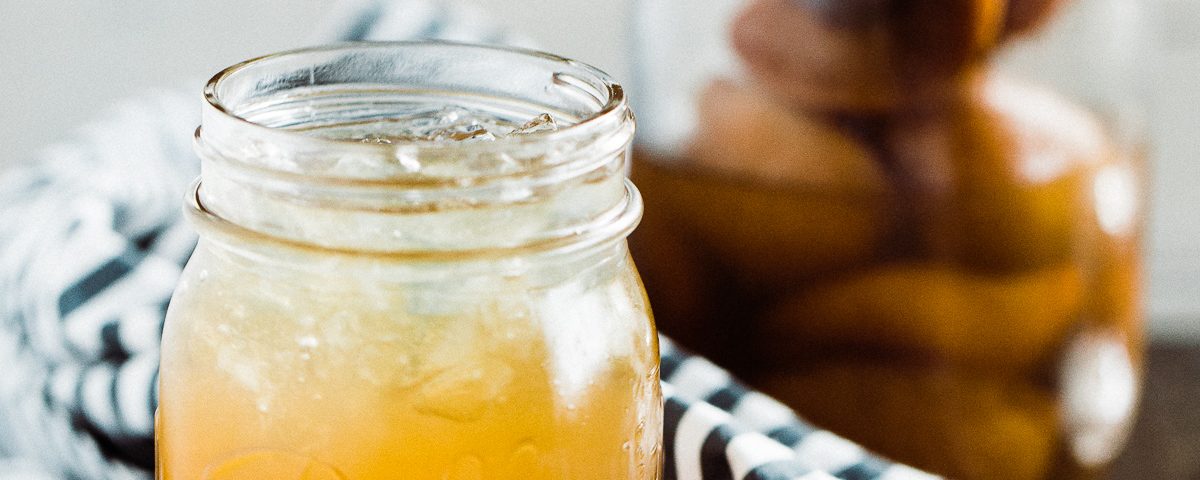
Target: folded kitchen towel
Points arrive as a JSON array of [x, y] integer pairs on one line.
[[92, 242]]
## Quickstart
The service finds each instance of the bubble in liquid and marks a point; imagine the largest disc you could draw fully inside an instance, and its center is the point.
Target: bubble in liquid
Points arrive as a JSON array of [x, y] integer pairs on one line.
[[272, 464], [308, 342]]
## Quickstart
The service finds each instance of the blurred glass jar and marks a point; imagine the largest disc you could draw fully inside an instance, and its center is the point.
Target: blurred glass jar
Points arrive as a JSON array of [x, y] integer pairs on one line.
[[917, 222], [397, 273]]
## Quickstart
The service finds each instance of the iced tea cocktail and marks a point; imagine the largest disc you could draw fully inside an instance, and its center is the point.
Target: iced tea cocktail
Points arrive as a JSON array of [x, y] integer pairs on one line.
[[412, 265]]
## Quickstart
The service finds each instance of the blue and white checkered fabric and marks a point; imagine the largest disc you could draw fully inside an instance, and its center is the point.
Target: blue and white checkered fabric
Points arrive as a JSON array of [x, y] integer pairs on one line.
[[92, 242]]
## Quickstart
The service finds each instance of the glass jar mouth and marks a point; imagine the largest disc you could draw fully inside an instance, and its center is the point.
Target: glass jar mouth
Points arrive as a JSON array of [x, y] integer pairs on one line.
[[325, 146], [595, 108]]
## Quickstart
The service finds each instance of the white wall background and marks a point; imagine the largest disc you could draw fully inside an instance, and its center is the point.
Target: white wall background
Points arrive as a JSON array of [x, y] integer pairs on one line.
[[63, 61]]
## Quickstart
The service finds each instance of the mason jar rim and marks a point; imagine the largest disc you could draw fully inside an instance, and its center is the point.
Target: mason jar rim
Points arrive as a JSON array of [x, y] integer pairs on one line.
[[611, 117], [258, 150]]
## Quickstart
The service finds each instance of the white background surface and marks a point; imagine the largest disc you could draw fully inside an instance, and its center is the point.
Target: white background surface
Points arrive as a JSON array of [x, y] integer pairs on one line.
[[63, 61]]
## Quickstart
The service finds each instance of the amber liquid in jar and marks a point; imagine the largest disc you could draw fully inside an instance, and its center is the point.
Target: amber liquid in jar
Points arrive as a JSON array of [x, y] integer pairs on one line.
[[411, 273], [329, 378]]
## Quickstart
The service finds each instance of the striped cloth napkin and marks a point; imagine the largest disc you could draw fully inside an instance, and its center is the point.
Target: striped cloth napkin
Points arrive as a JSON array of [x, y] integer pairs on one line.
[[92, 242]]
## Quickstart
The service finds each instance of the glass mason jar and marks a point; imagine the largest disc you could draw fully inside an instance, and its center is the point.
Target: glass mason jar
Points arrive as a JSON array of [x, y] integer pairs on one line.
[[397, 275], [916, 222]]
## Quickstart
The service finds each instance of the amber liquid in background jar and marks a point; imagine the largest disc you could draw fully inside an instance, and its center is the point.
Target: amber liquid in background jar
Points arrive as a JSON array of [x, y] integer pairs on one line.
[[398, 277], [927, 256]]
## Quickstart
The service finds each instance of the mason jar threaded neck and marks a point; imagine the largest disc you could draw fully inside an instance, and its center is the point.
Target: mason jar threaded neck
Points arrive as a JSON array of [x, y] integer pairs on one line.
[[317, 146]]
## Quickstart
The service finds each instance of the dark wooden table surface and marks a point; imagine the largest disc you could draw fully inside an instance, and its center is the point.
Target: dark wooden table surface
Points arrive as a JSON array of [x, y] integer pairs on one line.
[[1166, 440]]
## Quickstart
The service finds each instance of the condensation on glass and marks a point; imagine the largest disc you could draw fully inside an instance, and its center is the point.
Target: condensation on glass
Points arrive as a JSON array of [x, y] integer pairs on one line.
[[917, 222], [412, 264]]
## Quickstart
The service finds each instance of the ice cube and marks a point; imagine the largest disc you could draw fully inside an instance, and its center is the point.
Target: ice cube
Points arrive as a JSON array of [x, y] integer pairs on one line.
[[459, 133], [376, 138], [450, 124], [464, 393], [540, 123]]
